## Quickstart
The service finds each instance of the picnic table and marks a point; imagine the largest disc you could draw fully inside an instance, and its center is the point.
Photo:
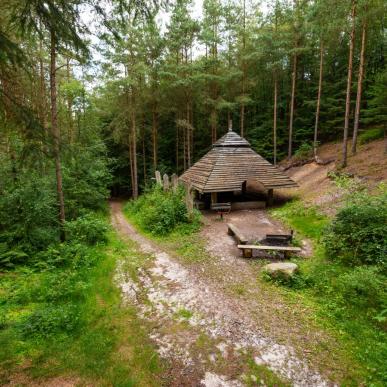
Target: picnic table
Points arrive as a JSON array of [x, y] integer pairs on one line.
[[221, 208]]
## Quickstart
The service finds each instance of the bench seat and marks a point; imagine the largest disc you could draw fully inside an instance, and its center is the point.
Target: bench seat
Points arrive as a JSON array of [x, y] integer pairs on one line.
[[234, 231]]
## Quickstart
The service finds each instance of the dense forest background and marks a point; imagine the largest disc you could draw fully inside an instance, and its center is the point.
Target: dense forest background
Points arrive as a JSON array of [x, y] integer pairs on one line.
[[96, 96]]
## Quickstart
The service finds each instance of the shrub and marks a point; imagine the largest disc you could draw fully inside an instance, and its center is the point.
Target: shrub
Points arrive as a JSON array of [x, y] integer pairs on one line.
[[358, 234], [160, 212], [49, 320], [363, 287], [371, 135], [305, 151], [87, 229], [28, 213]]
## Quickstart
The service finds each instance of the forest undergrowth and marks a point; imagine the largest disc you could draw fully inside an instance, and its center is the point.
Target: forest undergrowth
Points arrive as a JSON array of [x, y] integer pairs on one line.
[[63, 318], [346, 277]]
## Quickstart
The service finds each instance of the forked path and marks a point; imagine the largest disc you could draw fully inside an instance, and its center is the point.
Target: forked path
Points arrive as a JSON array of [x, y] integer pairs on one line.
[[206, 335]]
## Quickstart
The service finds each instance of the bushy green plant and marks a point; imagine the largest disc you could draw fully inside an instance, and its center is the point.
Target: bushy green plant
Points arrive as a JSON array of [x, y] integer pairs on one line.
[[51, 319], [371, 135], [160, 212], [304, 152], [358, 234], [363, 287], [87, 229], [28, 213]]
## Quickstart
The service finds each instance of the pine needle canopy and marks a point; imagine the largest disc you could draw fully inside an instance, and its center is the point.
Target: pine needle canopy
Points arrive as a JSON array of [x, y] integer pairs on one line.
[[230, 163]]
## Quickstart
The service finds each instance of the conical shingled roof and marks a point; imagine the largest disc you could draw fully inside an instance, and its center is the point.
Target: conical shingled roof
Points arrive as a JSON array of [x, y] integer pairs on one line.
[[229, 163]]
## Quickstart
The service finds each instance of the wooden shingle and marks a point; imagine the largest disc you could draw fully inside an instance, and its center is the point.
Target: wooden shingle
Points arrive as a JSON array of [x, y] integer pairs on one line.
[[229, 163]]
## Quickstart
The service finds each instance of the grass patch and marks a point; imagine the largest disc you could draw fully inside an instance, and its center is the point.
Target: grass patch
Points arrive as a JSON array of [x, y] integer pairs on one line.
[[184, 313], [261, 375], [333, 290], [305, 220], [69, 321], [184, 241]]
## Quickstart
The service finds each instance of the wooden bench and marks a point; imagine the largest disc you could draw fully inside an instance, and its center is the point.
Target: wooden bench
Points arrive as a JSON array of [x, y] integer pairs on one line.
[[221, 208], [234, 231], [248, 249]]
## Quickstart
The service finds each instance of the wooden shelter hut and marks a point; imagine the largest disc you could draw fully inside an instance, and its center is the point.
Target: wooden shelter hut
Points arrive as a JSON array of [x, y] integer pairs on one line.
[[229, 165]]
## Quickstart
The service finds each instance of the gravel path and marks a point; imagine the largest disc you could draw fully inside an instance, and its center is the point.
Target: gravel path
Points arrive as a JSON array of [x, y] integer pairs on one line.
[[182, 307]]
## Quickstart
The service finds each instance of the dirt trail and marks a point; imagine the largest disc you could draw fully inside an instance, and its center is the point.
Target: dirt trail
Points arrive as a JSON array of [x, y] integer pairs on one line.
[[204, 333]]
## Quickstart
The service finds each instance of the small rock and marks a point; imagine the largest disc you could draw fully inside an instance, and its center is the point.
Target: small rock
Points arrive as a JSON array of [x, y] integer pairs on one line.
[[277, 269]]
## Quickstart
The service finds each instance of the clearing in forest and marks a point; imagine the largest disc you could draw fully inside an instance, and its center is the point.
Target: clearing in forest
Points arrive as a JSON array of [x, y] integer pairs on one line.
[[214, 323]]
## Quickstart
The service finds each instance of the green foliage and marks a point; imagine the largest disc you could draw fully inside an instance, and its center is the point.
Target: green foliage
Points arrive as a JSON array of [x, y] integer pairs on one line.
[[51, 320], [371, 135], [304, 151], [305, 219], [295, 281], [358, 234], [87, 229], [362, 287], [351, 301], [159, 212], [28, 219], [72, 316]]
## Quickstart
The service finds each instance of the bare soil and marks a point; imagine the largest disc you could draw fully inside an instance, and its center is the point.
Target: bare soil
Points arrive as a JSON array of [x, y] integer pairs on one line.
[[209, 318], [369, 166]]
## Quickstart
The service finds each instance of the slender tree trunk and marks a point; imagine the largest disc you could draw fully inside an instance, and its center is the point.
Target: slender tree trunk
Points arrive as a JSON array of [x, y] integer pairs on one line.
[[275, 120], [154, 137], [318, 99], [359, 88], [130, 148], [56, 135], [213, 125], [42, 87], [177, 148], [69, 105], [294, 76], [134, 150], [243, 71], [184, 148], [188, 135], [192, 129], [349, 84]]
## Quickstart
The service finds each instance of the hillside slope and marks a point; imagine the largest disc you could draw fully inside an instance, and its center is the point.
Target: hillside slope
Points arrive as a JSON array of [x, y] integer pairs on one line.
[[368, 166]]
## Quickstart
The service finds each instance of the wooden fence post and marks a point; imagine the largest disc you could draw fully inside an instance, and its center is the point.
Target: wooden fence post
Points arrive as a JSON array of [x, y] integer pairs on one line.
[[175, 182], [165, 182], [189, 201], [158, 178]]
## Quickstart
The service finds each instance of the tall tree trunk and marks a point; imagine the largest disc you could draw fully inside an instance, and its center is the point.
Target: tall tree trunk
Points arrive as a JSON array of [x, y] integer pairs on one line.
[[275, 120], [56, 135], [184, 148], [213, 118], [143, 132], [318, 99], [359, 88], [243, 71], [134, 150], [177, 148], [69, 105], [154, 137], [42, 87], [188, 135], [294, 75], [130, 148], [349, 84]]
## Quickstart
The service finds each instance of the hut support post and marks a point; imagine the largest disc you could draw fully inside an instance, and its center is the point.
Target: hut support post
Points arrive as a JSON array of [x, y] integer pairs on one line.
[[214, 197], [244, 185], [270, 197]]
